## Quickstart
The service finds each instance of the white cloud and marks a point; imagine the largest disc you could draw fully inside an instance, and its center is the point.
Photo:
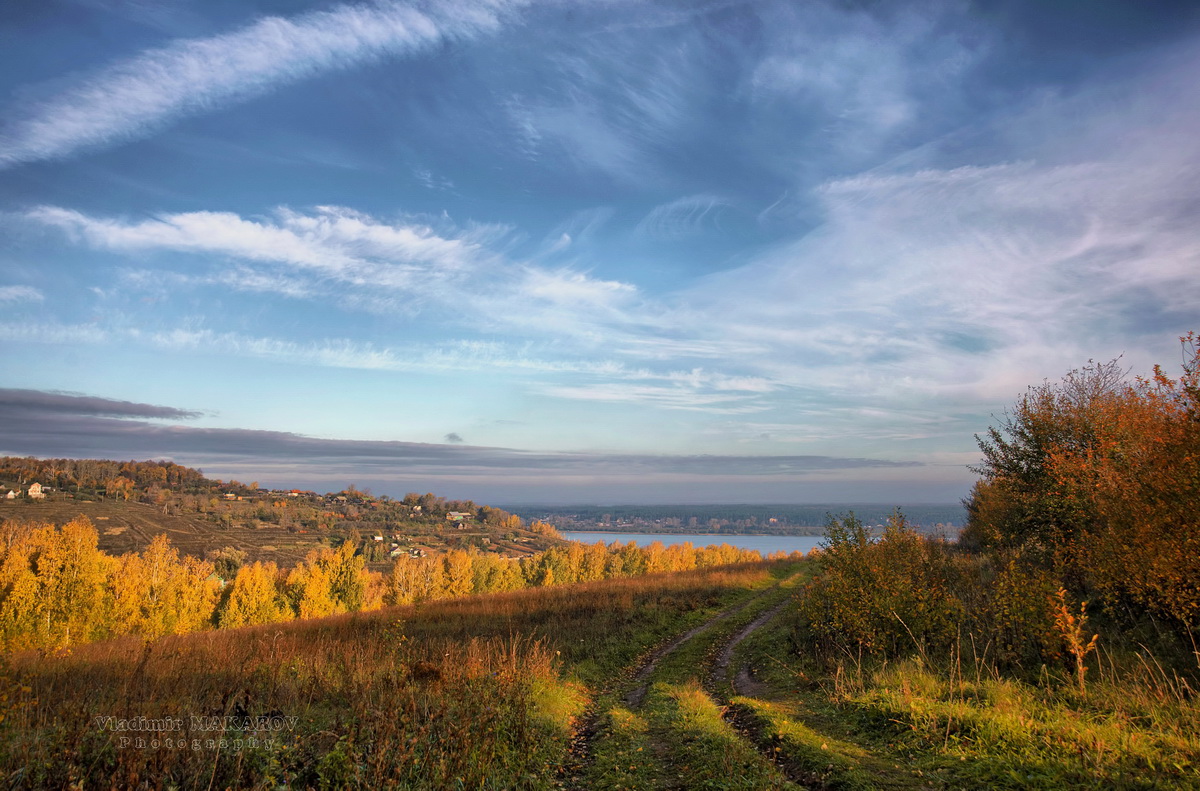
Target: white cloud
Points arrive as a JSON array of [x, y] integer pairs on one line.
[[614, 103], [377, 266], [137, 96], [964, 284], [564, 287], [864, 74], [679, 397], [332, 242], [20, 294], [683, 217], [51, 333]]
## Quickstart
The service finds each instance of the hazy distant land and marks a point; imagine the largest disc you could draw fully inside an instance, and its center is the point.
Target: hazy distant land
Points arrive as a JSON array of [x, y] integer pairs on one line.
[[739, 519]]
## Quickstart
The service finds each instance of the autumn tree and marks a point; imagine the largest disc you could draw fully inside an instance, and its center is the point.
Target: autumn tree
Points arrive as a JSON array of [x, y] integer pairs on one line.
[[157, 592], [1018, 502], [1140, 480], [254, 597], [328, 581], [1097, 477], [53, 585]]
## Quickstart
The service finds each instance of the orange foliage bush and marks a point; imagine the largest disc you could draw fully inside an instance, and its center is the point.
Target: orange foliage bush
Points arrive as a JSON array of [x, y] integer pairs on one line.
[[1098, 479]]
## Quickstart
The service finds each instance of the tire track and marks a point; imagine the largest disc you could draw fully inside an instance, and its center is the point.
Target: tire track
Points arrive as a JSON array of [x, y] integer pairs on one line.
[[742, 683], [579, 753]]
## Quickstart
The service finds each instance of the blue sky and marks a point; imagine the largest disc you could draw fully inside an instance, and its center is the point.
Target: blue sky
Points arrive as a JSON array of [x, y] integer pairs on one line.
[[583, 252]]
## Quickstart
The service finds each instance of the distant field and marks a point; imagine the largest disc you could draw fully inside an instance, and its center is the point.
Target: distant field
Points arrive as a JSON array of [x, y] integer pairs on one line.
[[129, 526]]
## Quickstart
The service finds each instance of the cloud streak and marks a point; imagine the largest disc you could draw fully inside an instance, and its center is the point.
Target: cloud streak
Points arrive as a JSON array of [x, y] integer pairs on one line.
[[138, 96], [57, 424], [20, 294], [39, 404], [682, 218]]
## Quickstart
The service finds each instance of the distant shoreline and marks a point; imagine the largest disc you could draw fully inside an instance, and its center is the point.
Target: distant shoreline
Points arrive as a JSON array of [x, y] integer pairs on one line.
[[688, 533]]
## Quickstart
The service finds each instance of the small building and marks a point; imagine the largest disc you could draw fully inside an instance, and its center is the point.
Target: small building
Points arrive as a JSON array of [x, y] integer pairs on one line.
[[35, 491], [11, 495]]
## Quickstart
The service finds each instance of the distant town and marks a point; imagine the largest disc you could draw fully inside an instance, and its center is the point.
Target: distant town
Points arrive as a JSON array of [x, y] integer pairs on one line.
[[769, 519]]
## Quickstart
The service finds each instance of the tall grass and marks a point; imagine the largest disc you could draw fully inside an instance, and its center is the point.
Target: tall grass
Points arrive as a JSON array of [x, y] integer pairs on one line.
[[478, 692], [988, 669]]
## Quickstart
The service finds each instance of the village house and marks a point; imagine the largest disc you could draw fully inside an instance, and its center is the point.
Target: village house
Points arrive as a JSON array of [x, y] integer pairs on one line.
[[11, 495], [35, 491]]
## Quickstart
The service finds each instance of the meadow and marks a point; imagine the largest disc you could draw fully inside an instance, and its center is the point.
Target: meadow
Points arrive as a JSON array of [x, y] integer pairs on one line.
[[480, 692]]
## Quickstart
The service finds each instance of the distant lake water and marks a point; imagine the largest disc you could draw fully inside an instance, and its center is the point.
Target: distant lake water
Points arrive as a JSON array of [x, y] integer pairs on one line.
[[764, 544]]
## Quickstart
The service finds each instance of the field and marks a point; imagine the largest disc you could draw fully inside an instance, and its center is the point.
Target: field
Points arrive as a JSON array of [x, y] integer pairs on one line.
[[672, 681], [129, 526], [482, 692]]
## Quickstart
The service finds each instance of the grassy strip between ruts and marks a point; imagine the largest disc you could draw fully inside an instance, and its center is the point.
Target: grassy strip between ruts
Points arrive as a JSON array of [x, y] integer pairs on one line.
[[678, 738], [704, 749], [625, 753], [908, 724]]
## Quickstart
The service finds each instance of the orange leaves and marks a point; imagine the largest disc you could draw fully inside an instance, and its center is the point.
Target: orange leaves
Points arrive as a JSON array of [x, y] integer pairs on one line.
[[1070, 627], [1101, 475]]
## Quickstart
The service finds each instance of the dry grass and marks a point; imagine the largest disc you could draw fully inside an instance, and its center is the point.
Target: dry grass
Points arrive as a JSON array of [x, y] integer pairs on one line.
[[474, 693]]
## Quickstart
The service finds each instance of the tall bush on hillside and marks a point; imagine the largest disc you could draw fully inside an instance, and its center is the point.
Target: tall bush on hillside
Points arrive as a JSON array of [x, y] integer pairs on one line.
[[1141, 480], [1018, 503], [887, 596], [1098, 478]]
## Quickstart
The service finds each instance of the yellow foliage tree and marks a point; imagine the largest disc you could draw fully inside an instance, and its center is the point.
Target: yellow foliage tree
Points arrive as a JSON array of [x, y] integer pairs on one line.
[[254, 597]]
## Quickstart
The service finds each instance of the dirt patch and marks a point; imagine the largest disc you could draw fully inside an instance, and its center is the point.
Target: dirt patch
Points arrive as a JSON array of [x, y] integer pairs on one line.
[[744, 683]]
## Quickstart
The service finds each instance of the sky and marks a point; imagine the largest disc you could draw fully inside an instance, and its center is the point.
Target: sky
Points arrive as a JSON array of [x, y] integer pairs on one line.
[[589, 252]]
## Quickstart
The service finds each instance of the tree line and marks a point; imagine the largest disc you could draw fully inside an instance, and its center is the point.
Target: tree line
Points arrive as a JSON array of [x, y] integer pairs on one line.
[[57, 588]]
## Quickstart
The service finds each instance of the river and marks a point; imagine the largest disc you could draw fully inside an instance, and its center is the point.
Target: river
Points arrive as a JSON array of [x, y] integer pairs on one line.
[[764, 544]]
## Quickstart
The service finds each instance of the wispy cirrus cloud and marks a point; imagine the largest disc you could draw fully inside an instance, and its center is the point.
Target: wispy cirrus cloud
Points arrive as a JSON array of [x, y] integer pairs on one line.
[[682, 217], [608, 380], [332, 241], [20, 294], [142, 94], [682, 397], [384, 266], [928, 279]]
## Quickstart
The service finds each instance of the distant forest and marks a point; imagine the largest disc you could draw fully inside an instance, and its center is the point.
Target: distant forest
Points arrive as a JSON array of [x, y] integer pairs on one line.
[[765, 519]]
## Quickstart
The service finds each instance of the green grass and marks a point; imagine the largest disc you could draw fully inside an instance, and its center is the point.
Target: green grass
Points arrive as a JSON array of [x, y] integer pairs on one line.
[[1017, 735], [679, 737], [907, 722], [819, 758], [704, 749], [626, 757]]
